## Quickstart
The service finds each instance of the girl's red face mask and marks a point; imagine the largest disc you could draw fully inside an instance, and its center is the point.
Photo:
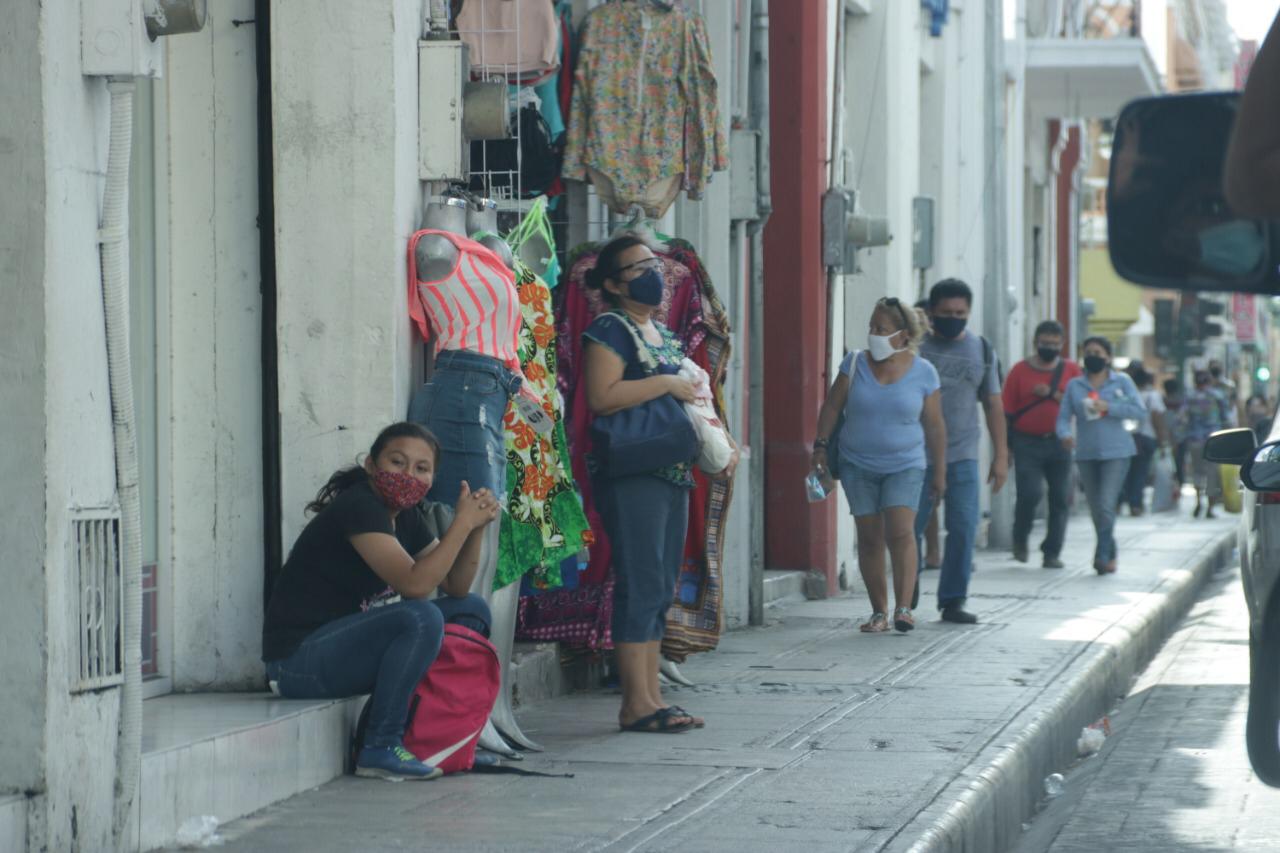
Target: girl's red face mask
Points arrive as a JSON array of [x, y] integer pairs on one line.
[[398, 490]]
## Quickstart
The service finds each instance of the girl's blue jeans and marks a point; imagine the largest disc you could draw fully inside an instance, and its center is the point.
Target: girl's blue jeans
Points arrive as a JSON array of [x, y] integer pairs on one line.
[[384, 651]]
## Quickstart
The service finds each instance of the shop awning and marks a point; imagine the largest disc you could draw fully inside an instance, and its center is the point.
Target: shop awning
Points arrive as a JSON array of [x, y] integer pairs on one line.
[[1077, 78]]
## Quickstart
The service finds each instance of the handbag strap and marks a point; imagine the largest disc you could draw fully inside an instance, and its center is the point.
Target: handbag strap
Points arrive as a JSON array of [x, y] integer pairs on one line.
[[1053, 389], [644, 354]]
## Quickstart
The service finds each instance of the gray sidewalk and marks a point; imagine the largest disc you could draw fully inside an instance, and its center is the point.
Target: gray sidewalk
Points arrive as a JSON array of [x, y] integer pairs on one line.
[[816, 735]]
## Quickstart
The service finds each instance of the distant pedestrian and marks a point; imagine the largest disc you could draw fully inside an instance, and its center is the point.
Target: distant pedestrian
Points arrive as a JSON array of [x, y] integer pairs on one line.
[[932, 548], [1174, 400], [968, 369], [893, 411], [1204, 413], [1032, 394], [1149, 435], [1257, 410], [1099, 403], [1228, 391]]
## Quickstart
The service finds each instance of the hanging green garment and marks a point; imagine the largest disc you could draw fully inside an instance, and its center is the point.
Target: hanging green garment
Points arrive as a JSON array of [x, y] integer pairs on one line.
[[544, 522], [533, 242]]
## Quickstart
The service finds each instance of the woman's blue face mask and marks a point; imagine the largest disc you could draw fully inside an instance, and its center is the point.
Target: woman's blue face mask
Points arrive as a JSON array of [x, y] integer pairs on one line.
[[646, 288]]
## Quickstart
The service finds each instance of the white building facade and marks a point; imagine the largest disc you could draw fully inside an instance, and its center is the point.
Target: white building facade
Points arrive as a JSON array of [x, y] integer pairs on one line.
[[270, 342]]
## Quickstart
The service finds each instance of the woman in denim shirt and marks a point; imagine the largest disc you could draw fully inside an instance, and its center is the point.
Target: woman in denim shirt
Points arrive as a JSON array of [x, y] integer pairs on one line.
[[1100, 402]]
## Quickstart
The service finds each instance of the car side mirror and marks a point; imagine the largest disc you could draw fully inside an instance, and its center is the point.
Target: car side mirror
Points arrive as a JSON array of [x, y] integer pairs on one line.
[[1168, 222], [1262, 472], [1231, 446]]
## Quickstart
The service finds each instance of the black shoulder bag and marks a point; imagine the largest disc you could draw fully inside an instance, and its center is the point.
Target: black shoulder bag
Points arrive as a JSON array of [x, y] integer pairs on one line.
[[647, 437]]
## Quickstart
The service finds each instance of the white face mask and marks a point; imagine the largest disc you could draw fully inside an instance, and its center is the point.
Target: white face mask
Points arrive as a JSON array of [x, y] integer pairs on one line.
[[880, 348]]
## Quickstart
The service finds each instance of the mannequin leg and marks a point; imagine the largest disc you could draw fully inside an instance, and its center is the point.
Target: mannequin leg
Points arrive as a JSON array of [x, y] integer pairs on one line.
[[503, 604]]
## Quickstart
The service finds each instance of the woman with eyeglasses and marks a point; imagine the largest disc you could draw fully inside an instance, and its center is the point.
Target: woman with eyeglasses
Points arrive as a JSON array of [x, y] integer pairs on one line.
[[631, 359], [892, 407]]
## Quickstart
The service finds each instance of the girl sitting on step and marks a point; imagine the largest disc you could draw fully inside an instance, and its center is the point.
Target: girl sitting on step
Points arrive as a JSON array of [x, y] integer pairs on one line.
[[322, 639]]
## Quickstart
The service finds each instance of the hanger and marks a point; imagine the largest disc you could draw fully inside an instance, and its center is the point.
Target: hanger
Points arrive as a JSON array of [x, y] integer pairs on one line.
[[639, 223], [664, 5]]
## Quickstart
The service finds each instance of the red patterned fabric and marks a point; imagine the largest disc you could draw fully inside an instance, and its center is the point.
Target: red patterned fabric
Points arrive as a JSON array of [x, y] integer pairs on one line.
[[582, 616]]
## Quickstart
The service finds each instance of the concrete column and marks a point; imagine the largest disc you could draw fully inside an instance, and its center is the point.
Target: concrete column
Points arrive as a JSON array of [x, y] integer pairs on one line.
[[23, 607], [800, 535], [708, 226], [345, 131], [56, 747], [210, 274]]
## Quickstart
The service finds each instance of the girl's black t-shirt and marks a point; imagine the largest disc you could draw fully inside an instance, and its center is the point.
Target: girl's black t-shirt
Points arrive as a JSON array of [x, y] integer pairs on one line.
[[325, 578]]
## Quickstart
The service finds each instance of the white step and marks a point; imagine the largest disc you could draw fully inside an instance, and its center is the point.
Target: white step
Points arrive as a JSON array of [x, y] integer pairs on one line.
[[231, 754], [783, 586], [13, 823]]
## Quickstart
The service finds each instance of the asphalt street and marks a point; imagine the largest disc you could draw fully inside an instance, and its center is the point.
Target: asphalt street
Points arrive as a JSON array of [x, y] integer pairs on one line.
[[1173, 775]]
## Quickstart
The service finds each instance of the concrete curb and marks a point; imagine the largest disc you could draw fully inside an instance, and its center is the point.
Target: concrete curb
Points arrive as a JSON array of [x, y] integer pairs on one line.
[[983, 810]]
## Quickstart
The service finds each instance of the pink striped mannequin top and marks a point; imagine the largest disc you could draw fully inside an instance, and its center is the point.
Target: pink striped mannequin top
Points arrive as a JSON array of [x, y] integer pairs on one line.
[[475, 308]]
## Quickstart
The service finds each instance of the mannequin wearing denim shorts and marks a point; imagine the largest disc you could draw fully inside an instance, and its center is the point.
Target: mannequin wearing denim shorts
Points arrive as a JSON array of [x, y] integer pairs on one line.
[[464, 404]]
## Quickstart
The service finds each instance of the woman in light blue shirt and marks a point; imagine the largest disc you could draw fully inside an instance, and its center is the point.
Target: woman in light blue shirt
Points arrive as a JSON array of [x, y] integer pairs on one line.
[[892, 409], [1100, 402]]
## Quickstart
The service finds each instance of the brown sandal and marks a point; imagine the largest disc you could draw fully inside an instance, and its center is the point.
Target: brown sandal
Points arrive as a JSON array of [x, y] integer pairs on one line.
[[903, 620], [877, 624]]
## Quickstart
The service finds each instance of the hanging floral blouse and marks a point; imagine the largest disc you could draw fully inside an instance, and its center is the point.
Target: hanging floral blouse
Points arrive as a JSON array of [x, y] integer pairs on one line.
[[544, 522], [645, 105]]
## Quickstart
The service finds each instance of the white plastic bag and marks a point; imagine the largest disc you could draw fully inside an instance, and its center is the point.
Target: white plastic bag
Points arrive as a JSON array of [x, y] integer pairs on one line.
[[1165, 491], [716, 449]]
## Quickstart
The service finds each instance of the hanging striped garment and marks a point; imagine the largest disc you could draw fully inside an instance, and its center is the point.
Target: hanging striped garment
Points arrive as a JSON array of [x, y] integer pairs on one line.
[[475, 308]]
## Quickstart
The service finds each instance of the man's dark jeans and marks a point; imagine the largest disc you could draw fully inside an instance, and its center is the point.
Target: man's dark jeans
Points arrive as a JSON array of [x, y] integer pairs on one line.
[[1038, 460], [1135, 482]]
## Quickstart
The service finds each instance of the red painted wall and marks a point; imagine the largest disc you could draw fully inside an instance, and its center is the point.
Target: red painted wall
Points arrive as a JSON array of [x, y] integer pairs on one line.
[[1064, 231], [799, 535]]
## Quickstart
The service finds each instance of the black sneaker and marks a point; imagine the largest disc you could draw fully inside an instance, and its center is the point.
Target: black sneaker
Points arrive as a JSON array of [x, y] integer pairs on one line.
[[1020, 553], [1053, 563], [956, 613]]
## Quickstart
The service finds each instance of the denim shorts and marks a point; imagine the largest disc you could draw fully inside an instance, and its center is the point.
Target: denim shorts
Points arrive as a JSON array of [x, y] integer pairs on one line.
[[870, 493], [463, 405]]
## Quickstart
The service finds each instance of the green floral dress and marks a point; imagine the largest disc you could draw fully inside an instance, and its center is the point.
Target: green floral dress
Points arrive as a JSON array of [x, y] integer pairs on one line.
[[544, 522]]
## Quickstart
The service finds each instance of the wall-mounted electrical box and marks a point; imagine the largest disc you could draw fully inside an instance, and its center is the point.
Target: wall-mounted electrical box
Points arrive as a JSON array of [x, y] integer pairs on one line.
[[922, 232], [442, 76], [845, 229], [114, 40]]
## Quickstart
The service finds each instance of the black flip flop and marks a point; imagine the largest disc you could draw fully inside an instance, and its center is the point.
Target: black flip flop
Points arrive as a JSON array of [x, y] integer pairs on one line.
[[681, 712], [645, 725]]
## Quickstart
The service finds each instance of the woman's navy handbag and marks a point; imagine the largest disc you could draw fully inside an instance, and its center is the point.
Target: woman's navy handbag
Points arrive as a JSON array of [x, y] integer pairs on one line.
[[647, 437], [644, 438]]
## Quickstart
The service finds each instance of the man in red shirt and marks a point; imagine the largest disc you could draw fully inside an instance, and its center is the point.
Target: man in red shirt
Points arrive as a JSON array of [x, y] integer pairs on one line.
[[1032, 394]]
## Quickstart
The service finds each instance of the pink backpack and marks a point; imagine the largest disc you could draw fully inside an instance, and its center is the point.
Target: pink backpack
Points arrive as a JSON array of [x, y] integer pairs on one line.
[[451, 704]]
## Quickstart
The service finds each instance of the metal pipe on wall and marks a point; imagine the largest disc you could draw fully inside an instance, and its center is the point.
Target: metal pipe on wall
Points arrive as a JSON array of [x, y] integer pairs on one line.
[[114, 237], [758, 112], [996, 313]]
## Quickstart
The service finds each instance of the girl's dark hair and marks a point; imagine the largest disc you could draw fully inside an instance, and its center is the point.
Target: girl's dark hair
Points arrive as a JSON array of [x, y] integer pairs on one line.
[[607, 261], [1100, 341], [345, 478]]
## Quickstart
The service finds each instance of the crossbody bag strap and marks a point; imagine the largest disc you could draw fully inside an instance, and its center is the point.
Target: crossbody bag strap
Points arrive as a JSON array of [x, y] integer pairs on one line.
[[1053, 389]]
